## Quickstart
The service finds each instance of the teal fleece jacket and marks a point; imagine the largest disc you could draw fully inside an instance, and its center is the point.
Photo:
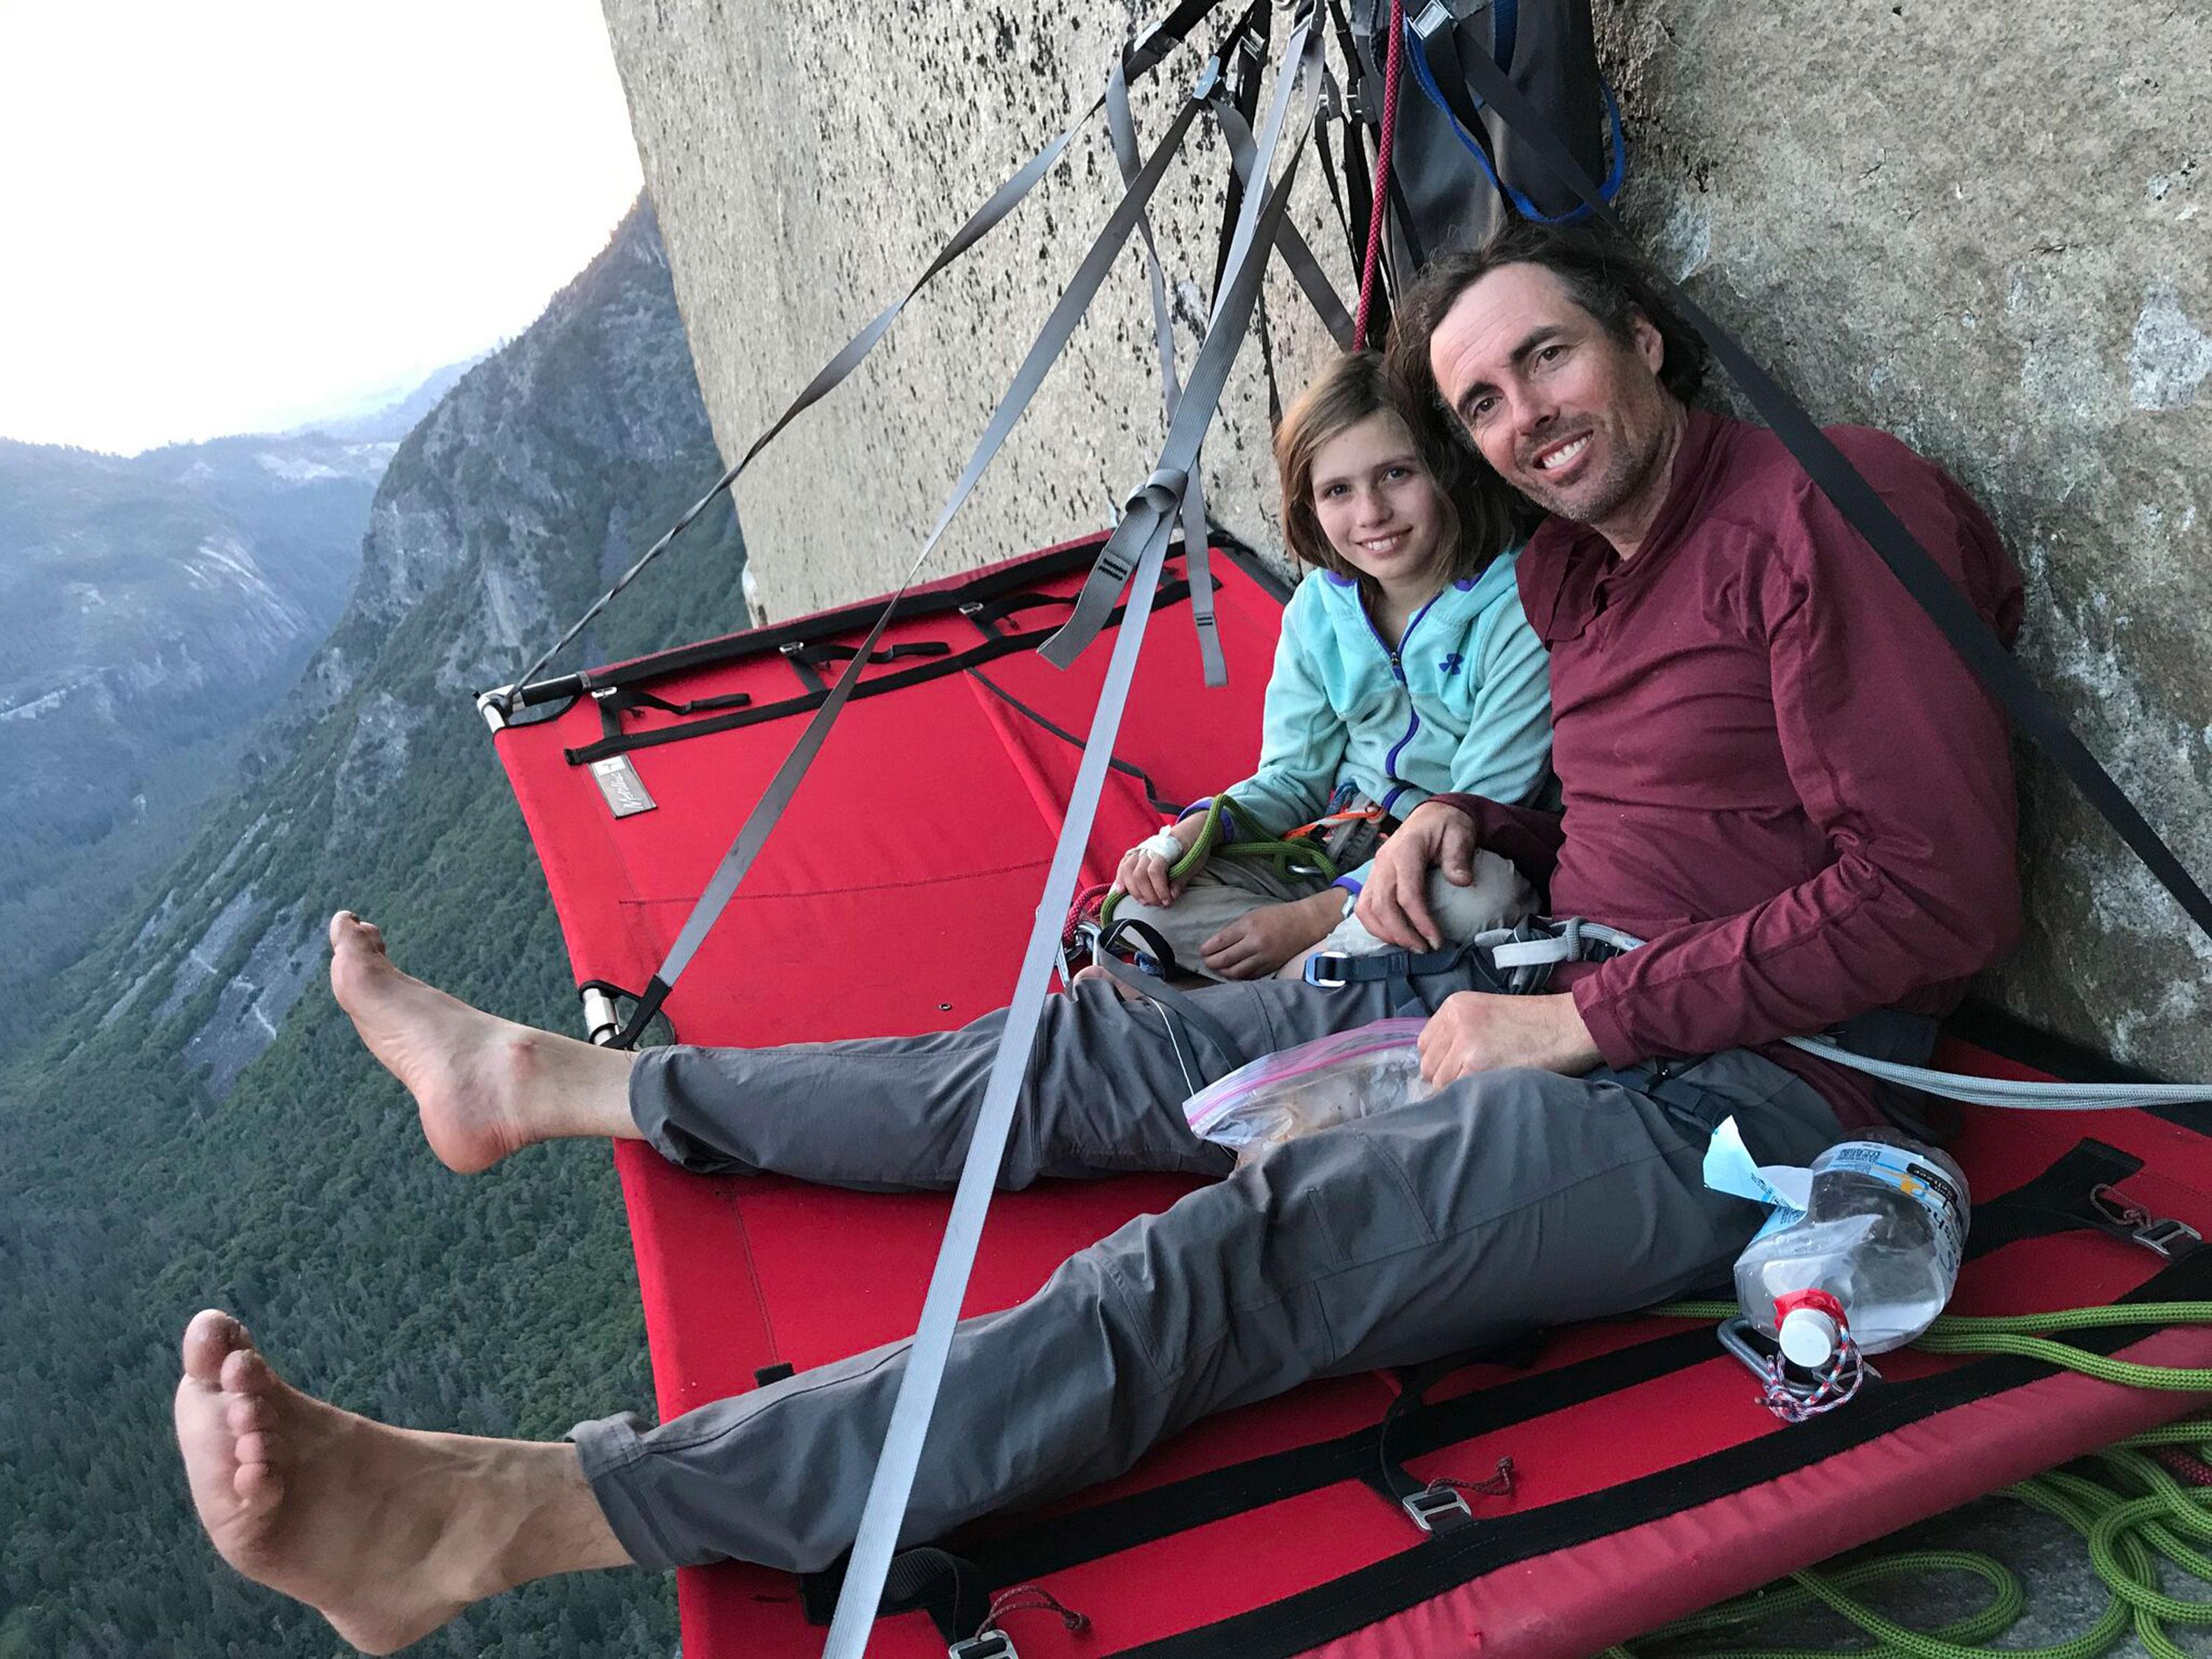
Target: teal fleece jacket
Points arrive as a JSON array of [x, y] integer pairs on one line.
[[1464, 704]]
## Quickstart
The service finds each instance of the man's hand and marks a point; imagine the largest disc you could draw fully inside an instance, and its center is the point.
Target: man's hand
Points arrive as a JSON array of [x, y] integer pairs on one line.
[[1475, 1031], [1260, 941], [1394, 906], [1143, 875]]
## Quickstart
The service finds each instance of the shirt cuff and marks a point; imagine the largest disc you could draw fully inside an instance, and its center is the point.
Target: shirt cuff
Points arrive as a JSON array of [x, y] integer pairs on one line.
[[1605, 1031]]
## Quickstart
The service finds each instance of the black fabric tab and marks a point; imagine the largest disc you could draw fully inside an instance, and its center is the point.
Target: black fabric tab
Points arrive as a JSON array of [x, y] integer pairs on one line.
[[1043, 1545], [1170, 594], [764, 1375]]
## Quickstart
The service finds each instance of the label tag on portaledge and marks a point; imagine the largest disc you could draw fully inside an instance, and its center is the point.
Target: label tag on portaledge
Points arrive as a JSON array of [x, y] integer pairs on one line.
[[624, 790]]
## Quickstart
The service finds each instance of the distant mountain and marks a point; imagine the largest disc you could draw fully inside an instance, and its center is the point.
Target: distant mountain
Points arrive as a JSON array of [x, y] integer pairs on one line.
[[154, 608], [199, 1124], [394, 419]]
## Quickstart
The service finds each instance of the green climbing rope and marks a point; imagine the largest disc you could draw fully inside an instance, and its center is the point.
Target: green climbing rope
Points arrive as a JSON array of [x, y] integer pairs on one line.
[[1287, 856], [2135, 1518], [2024, 1335]]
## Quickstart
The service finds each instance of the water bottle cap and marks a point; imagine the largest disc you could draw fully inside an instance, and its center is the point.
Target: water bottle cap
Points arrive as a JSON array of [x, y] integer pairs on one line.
[[1809, 1338]]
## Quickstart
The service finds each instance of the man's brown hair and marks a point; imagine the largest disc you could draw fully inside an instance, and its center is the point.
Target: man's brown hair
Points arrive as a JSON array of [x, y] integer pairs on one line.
[[1602, 273], [1481, 517]]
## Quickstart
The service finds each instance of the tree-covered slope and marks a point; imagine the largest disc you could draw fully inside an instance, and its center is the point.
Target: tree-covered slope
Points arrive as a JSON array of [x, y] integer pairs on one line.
[[162, 1151]]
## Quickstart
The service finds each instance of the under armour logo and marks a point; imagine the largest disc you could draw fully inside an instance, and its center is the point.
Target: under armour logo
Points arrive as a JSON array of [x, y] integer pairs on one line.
[[1451, 664]]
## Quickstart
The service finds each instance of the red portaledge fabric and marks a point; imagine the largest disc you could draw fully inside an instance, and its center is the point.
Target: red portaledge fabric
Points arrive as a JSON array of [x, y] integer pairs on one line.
[[896, 897]]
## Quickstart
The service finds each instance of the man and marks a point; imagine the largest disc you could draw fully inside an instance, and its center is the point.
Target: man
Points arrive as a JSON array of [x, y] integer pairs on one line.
[[1774, 771]]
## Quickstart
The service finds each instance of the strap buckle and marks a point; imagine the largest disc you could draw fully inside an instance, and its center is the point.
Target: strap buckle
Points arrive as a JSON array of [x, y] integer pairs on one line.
[[1433, 1503], [1330, 971], [2161, 1234], [991, 1644]]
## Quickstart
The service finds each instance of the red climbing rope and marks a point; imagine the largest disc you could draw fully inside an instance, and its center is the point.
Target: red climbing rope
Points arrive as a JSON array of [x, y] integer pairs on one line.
[[1371, 267]]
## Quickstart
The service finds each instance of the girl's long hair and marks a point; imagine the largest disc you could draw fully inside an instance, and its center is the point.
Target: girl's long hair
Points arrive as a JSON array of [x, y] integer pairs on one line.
[[1481, 517]]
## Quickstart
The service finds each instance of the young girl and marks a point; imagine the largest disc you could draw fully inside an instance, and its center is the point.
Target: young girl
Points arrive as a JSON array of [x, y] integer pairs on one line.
[[1406, 668]]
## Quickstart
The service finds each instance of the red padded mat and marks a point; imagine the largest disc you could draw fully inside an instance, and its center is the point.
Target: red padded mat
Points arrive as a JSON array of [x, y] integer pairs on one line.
[[896, 897]]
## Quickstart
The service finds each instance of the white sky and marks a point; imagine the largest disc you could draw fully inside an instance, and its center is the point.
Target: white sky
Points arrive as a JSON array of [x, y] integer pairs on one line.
[[234, 216]]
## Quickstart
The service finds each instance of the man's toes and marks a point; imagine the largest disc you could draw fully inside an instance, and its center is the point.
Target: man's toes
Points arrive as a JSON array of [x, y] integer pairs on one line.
[[347, 928], [246, 1373], [246, 1413], [210, 1340]]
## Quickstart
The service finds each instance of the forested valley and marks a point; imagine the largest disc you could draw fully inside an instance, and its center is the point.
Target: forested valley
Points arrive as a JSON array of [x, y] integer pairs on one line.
[[197, 1125]]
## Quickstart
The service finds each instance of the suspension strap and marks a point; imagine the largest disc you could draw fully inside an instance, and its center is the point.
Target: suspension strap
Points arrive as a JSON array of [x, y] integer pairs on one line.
[[884, 1509], [1297, 256], [1153, 45], [1977, 647], [1197, 554], [1157, 501], [1051, 341]]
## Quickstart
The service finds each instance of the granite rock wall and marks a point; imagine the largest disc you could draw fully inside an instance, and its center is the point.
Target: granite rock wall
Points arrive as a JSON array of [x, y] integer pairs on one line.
[[1987, 229]]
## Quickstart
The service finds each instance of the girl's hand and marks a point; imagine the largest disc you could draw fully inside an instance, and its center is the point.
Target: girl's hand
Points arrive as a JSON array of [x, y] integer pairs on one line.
[[1260, 941], [1144, 873]]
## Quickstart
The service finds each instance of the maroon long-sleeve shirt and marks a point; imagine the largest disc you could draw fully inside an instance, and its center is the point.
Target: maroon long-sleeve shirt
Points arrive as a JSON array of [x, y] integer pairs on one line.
[[1772, 766]]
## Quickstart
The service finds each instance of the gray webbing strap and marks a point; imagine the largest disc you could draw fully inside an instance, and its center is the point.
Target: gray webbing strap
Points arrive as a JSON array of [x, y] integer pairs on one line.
[[1209, 373], [1052, 339], [884, 1510], [1296, 254], [1180, 1006], [1139, 60], [1196, 543], [2012, 1094]]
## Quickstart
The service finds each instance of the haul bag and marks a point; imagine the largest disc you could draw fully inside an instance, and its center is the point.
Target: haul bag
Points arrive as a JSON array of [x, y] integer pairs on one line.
[[896, 897]]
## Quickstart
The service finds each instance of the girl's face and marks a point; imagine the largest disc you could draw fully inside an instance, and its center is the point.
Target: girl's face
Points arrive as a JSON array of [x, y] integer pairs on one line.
[[1377, 505]]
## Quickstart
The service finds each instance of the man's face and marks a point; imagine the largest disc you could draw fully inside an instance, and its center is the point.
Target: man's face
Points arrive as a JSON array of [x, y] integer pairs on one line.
[[1567, 415]]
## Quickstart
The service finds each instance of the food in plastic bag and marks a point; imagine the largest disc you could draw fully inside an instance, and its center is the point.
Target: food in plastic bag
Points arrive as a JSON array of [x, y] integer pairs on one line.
[[1316, 1085]]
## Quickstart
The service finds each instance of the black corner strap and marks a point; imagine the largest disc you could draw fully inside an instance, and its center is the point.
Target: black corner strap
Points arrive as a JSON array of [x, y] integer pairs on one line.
[[620, 1032], [1354, 1601], [1437, 1507], [2053, 1203], [945, 1586], [1129, 769], [613, 701], [939, 661], [1978, 646], [648, 1004]]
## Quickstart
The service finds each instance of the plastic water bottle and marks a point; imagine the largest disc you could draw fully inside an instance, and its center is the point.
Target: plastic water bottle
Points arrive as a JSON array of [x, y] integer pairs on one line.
[[1875, 1253]]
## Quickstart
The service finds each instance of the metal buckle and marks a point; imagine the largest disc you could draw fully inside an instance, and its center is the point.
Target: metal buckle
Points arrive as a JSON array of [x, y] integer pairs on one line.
[[2168, 1237], [991, 1644], [1735, 1335], [1431, 1503]]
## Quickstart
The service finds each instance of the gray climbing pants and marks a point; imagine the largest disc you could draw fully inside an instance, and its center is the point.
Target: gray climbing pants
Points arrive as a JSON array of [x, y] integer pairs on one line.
[[1507, 1201]]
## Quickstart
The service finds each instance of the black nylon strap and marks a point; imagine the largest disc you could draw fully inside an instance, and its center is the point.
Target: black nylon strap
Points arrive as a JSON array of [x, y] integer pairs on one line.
[[1977, 647], [1047, 1544], [1184, 1009], [1127, 768]]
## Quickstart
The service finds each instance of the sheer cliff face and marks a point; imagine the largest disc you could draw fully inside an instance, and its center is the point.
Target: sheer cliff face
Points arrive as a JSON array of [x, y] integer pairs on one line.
[[1983, 229]]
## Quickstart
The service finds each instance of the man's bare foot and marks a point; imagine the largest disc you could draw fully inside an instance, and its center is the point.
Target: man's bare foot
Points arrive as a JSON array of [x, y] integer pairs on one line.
[[387, 1533], [485, 1086]]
